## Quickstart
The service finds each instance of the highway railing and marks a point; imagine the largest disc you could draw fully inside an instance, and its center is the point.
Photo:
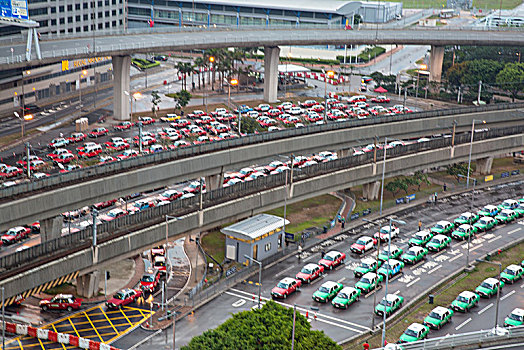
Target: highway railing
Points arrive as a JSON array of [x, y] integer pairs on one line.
[[94, 171], [476, 339], [120, 226]]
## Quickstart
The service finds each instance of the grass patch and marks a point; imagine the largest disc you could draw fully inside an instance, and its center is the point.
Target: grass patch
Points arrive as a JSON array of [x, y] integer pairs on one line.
[[311, 212], [9, 139], [214, 243], [469, 281]]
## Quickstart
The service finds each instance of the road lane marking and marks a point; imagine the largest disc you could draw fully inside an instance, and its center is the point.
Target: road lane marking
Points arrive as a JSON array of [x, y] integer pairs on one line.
[[398, 291], [73, 325], [456, 257], [311, 257], [494, 239], [475, 247], [108, 320], [522, 285], [513, 231], [484, 309], [433, 270], [284, 271], [250, 295], [93, 326], [463, 324], [239, 303], [413, 282], [441, 252], [340, 280], [508, 295], [417, 264]]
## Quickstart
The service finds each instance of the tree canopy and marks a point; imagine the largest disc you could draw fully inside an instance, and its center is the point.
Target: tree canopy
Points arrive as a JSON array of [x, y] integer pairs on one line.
[[181, 98], [511, 78], [266, 329]]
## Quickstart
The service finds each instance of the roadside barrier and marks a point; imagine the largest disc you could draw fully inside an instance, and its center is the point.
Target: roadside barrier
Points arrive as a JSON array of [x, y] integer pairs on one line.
[[61, 338]]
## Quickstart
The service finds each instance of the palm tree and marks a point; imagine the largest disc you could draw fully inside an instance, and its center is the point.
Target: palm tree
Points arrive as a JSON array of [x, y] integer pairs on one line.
[[199, 63]]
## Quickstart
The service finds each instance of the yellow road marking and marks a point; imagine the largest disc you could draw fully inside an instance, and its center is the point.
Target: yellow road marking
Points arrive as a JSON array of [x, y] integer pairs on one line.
[[94, 328], [63, 346], [128, 329], [123, 313], [20, 344], [73, 325]]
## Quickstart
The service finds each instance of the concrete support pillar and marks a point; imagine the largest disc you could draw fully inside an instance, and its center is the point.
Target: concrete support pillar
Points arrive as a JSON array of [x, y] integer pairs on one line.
[[52, 90], [271, 56], [121, 71], [51, 228], [87, 285], [343, 153], [371, 190], [484, 165], [436, 57], [63, 87], [214, 182]]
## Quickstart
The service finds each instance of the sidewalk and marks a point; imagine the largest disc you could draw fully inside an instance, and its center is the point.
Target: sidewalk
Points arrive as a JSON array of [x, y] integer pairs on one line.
[[349, 204]]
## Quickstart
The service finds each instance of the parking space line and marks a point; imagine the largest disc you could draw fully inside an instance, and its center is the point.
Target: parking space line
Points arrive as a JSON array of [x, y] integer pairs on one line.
[[475, 247], [463, 324], [413, 282], [284, 271], [63, 346], [513, 231], [108, 320], [94, 328], [508, 295], [433, 270], [484, 309], [456, 257], [494, 239]]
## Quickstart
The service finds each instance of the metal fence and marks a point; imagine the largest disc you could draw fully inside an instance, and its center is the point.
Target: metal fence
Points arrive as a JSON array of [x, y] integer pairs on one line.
[[473, 338], [83, 174], [147, 217]]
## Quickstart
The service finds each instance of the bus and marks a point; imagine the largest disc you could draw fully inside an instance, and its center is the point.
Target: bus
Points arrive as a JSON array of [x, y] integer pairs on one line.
[[447, 13]]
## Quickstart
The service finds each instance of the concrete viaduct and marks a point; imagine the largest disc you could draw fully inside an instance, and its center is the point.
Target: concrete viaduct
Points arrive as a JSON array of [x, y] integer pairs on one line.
[[88, 259], [45, 203], [121, 45]]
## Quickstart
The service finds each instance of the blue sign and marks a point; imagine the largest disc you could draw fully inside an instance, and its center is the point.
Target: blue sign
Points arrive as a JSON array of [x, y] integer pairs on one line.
[[354, 216], [14, 9], [231, 271], [506, 174], [290, 236], [411, 197], [366, 212], [515, 172], [399, 200]]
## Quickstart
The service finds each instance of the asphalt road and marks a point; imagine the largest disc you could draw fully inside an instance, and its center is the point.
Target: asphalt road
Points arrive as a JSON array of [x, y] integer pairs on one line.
[[343, 324]]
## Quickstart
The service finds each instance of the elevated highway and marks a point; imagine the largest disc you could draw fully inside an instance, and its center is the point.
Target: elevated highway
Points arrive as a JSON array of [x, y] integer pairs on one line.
[[25, 271], [49, 197]]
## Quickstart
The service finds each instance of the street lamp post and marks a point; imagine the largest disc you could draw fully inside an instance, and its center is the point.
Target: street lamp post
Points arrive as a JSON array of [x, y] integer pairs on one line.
[[314, 308], [80, 76], [233, 82], [328, 74], [259, 276], [383, 175], [211, 60], [471, 146], [376, 280], [498, 289]]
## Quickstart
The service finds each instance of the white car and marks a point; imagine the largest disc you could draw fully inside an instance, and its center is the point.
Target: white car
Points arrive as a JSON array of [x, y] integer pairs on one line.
[[383, 233], [296, 111]]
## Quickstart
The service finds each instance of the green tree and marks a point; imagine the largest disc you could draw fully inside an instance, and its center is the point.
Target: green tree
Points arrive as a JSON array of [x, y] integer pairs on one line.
[[511, 78], [485, 70], [392, 187], [422, 179], [457, 170], [267, 329], [181, 98], [250, 126], [155, 100]]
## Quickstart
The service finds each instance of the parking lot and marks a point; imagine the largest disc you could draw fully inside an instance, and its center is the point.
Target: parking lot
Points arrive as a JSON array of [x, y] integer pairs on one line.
[[96, 323]]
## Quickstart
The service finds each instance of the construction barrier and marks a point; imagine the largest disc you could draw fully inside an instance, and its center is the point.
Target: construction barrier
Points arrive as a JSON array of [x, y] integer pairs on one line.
[[61, 338]]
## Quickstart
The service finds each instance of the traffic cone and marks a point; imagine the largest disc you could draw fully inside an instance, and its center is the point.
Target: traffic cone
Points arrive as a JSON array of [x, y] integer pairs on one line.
[[307, 314], [315, 316], [253, 298]]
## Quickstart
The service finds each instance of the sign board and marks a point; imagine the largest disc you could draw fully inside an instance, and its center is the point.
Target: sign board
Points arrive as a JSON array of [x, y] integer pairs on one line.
[[14, 10], [505, 174], [488, 178], [231, 271], [290, 236], [366, 212], [354, 216], [411, 197], [515, 172], [399, 200]]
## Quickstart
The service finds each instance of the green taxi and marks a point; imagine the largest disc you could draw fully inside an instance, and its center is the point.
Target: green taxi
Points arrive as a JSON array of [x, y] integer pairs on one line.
[[509, 204], [392, 252], [367, 265], [368, 282], [389, 304], [327, 291], [464, 231], [515, 318], [420, 238], [346, 297], [438, 243], [511, 274], [506, 215], [438, 317], [520, 209], [466, 218], [391, 267], [489, 210], [485, 223], [414, 332], [442, 227], [413, 255], [489, 287], [465, 301]]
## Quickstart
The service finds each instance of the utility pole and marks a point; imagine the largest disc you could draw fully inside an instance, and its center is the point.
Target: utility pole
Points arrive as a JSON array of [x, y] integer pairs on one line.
[[480, 90]]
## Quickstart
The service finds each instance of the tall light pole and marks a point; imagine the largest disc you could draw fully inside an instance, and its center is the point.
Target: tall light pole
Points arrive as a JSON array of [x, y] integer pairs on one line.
[[211, 61], [167, 257], [498, 289], [314, 308], [136, 96], [328, 74], [233, 82], [259, 276], [26, 117], [383, 175], [471, 146], [80, 76], [376, 280]]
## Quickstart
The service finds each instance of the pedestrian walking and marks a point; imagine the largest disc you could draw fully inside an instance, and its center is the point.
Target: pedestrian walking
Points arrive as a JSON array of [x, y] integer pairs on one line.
[[365, 346], [322, 253], [419, 225], [299, 252], [343, 222], [339, 218], [436, 197]]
